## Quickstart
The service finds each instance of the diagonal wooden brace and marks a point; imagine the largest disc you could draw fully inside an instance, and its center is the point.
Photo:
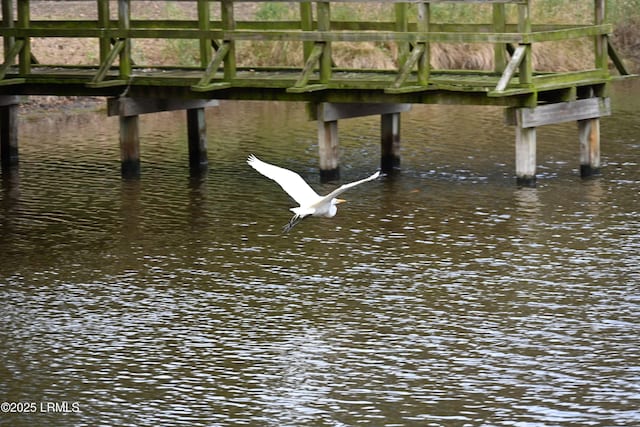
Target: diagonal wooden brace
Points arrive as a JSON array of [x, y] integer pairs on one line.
[[411, 62], [108, 62], [10, 56], [511, 68], [212, 68], [313, 59]]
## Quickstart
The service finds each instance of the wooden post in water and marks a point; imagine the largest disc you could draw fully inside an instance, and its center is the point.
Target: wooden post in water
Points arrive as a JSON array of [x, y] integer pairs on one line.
[[129, 146], [390, 143], [197, 137], [8, 132], [589, 134], [128, 111], [327, 114], [525, 156], [329, 150]]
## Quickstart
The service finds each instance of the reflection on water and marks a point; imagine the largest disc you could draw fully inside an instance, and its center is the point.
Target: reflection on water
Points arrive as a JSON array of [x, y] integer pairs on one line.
[[446, 296]]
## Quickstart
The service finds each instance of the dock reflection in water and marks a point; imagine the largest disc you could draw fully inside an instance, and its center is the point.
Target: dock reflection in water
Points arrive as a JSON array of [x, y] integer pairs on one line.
[[446, 296]]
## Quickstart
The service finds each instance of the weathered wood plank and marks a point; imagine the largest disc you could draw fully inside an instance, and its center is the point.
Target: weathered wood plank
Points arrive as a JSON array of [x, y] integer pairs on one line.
[[512, 66], [310, 63], [137, 106], [328, 112], [213, 66], [10, 57], [108, 61], [369, 36], [580, 109]]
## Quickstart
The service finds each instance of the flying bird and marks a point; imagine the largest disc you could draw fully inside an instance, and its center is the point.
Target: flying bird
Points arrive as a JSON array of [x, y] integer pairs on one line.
[[311, 203]]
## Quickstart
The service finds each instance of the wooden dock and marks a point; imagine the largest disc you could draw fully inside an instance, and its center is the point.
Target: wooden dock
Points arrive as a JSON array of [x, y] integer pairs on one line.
[[531, 98]]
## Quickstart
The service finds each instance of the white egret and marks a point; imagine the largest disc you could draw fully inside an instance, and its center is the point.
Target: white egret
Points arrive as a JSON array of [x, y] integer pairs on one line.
[[311, 203]]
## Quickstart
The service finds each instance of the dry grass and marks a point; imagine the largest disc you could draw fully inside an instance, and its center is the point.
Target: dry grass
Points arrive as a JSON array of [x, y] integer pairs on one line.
[[626, 37]]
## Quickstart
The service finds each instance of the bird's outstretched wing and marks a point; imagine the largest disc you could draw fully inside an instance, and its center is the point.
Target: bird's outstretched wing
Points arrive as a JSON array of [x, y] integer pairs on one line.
[[291, 182], [335, 193]]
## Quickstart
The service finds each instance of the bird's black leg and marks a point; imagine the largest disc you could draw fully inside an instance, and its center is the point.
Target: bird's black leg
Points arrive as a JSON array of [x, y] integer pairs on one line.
[[292, 223]]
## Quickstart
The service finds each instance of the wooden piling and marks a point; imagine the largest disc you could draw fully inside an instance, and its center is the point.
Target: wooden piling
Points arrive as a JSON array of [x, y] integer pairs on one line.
[[589, 135], [9, 136], [329, 151], [390, 143], [526, 156], [129, 147], [197, 136]]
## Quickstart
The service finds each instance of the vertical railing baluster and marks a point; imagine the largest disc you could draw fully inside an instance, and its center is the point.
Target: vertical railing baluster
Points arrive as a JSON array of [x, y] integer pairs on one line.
[[601, 39], [402, 26], [24, 17], [324, 24], [104, 22], [7, 22], [499, 26], [306, 24], [524, 27], [424, 12], [229, 24], [204, 24], [124, 25]]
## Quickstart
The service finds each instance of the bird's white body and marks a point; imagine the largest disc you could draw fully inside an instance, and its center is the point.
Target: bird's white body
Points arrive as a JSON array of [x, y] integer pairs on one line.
[[311, 203]]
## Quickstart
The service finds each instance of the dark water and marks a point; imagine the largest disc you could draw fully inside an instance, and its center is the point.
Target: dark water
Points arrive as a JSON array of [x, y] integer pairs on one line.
[[447, 296]]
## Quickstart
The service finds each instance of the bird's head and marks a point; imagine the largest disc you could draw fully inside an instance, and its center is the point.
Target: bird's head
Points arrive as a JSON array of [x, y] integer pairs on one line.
[[333, 209]]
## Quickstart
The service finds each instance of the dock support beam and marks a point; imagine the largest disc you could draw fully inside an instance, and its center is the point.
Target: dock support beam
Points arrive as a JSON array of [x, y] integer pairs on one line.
[[390, 143], [586, 112], [8, 132], [327, 114], [197, 136], [589, 134], [329, 150], [129, 147], [128, 111], [526, 156]]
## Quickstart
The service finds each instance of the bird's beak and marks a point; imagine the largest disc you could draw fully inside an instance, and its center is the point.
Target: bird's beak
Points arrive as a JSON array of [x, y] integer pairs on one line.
[[338, 201]]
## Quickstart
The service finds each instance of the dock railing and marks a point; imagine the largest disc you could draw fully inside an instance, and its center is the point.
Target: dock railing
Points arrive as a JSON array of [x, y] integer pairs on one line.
[[411, 29]]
